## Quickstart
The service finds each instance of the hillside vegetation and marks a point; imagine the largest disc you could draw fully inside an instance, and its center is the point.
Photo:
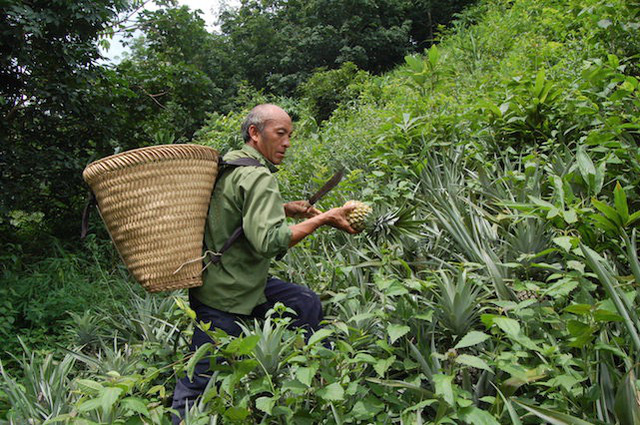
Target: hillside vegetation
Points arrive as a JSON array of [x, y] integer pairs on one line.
[[498, 284]]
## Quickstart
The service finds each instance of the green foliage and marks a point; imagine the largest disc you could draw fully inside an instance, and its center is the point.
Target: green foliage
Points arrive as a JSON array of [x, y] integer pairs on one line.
[[325, 90], [50, 90], [46, 299], [501, 285]]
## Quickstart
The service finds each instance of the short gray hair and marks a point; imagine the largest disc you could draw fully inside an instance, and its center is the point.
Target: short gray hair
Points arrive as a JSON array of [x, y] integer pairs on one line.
[[256, 117]]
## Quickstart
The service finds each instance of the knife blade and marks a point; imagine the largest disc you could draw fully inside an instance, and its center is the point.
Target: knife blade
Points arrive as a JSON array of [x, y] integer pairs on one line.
[[330, 184]]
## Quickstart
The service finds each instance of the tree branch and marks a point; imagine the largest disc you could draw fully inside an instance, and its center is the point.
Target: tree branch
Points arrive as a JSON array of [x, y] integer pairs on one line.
[[15, 109], [153, 97]]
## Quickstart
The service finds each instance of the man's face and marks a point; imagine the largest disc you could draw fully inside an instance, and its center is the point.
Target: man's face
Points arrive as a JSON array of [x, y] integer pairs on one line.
[[273, 141]]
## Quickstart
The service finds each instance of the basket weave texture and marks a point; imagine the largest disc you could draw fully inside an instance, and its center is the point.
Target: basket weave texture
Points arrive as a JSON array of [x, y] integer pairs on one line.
[[154, 202]]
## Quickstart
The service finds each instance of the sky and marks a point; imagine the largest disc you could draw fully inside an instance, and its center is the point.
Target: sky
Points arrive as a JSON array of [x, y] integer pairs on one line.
[[209, 10]]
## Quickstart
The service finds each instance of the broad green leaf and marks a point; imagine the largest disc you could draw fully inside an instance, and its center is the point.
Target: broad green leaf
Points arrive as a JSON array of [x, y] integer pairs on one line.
[[210, 393], [367, 408], [109, 397], [564, 242], [488, 319], [361, 316], [237, 413], [562, 288], [512, 328], [601, 315], [182, 306], [352, 388], [135, 404], [600, 175], [294, 386], [305, 375], [242, 346], [243, 367], [265, 404], [472, 338], [553, 212], [585, 165], [396, 331], [521, 376], [487, 104], [473, 415], [508, 326], [542, 203], [579, 309], [89, 405], [576, 265], [402, 384], [319, 335], [570, 216], [608, 304], [283, 411], [332, 392], [620, 200], [434, 56], [414, 62], [551, 416], [363, 358], [159, 389], [444, 388], [614, 61], [473, 361], [89, 386], [565, 381], [383, 365], [200, 353]]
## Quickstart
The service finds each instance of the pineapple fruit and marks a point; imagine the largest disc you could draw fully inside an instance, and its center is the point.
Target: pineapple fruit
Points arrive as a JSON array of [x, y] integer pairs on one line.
[[358, 217]]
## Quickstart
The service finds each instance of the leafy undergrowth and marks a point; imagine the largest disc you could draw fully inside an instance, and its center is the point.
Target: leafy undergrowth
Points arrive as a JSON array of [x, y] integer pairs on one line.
[[499, 284]]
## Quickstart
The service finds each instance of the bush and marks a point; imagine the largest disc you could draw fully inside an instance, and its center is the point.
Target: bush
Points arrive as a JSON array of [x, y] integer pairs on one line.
[[325, 90]]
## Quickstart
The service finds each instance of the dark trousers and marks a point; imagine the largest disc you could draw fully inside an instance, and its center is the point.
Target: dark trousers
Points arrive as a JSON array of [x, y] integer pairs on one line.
[[300, 299]]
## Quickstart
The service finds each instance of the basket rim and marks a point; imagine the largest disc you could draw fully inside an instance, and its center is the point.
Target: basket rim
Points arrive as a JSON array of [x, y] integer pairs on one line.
[[148, 154]]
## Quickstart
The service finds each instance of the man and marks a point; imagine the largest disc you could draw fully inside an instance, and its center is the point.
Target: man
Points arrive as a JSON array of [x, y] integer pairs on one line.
[[238, 287]]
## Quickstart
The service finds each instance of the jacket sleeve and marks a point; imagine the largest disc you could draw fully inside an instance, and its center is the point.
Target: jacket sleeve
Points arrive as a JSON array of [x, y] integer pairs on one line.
[[263, 219]]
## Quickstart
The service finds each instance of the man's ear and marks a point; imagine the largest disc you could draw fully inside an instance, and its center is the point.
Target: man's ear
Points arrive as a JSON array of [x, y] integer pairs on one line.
[[253, 133]]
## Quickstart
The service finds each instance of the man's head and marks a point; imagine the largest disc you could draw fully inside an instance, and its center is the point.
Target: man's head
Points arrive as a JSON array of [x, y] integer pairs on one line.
[[268, 129]]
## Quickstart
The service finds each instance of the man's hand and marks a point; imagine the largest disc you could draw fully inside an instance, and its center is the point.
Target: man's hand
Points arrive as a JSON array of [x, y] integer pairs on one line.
[[337, 217], [300, 209]]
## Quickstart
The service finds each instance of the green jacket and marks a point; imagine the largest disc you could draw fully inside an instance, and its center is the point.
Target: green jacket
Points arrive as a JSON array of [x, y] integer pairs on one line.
[[247, 196]]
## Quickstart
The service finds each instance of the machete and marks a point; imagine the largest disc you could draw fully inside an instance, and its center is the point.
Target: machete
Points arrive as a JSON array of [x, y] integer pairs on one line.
[[333, 182]]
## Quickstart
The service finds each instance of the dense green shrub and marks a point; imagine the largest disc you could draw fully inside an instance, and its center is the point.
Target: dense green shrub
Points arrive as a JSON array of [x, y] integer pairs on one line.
[[500, 282], [325, 90]]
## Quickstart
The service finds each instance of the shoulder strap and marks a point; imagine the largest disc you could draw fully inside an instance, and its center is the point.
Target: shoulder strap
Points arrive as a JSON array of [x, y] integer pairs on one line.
[[240, 162]]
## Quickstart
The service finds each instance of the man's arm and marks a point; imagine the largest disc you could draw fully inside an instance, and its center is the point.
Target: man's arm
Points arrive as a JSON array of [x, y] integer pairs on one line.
[[335, 217]]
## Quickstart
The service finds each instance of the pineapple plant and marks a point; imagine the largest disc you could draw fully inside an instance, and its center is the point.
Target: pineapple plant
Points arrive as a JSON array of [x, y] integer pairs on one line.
[[383, 221]]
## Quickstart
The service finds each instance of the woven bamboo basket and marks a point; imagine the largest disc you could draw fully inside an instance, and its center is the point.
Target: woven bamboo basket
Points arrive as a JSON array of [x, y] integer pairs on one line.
[[154, 202]]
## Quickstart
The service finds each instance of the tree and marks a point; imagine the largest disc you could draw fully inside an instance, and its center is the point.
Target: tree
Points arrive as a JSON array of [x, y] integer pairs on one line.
[[50, 102], [278, 44]]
